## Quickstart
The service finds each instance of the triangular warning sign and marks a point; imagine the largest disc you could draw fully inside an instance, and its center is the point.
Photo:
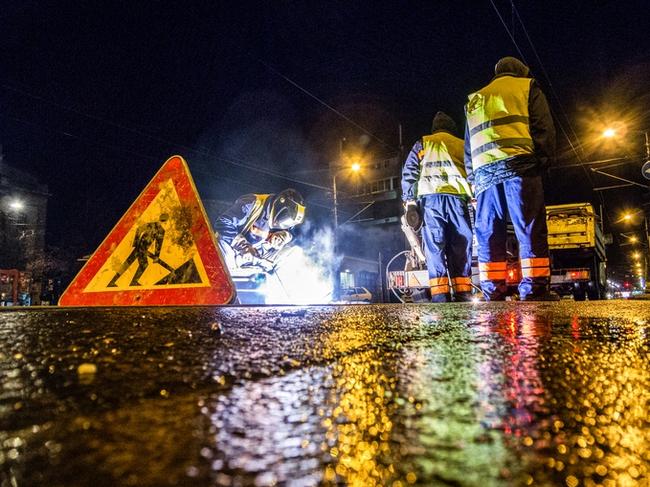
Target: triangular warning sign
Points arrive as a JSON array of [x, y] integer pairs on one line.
[[161, 252]]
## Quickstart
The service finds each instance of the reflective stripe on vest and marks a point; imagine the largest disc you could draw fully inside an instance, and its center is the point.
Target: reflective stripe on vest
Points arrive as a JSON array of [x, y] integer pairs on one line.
[[441, 166], [497, 121]]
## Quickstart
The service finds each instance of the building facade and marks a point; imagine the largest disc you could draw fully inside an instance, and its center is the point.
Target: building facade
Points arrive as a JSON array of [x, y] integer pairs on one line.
[[369, 233]]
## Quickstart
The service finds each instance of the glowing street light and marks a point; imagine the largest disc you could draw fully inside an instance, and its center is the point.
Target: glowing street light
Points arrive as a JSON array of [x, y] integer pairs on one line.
[[636, 256], [16, 205], [355, 167], [609, 133], [634, 239]]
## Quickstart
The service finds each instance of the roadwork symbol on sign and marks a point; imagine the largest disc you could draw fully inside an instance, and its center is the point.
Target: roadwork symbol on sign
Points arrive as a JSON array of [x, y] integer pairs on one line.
[[161, 252]]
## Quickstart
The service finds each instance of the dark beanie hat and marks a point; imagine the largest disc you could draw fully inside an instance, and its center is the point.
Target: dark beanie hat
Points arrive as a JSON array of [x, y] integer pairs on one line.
[[511, 65], [442, 121]]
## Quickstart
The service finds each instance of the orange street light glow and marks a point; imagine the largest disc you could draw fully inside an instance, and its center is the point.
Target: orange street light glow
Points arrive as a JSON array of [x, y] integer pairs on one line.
[[356, 167], [609, 133]]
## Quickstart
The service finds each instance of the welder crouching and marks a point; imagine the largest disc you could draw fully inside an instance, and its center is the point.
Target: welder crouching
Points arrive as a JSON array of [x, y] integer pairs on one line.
[[253, 233]]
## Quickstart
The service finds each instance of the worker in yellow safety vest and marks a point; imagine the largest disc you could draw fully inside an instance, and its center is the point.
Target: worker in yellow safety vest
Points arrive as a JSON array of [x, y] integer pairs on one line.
[[434, 183], [509, 141]]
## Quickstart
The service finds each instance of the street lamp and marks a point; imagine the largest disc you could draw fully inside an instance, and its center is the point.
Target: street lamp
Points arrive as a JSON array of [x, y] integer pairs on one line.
[[355, 167], [16, 205], [609, 133]]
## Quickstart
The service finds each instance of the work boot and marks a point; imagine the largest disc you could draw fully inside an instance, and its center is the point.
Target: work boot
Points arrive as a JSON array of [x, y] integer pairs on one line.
[[494, 297], [546, 296], [440, 298], [462, 297]]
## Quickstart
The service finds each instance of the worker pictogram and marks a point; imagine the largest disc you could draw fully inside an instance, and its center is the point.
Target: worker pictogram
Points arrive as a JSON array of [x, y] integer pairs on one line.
[[162, 252]]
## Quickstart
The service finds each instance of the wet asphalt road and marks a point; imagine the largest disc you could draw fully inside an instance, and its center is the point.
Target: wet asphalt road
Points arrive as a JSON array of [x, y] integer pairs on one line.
[[488, 394]]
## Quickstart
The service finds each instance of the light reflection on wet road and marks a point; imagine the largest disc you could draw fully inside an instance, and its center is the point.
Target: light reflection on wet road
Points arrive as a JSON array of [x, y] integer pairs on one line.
[[489, 394]]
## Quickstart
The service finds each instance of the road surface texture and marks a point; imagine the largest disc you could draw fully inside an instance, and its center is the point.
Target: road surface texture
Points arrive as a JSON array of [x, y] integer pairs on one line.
[[482, 395]]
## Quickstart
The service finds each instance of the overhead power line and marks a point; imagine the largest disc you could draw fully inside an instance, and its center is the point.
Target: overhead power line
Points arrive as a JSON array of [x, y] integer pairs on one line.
[[523, 58], [548, 80], [201, 151], [201, 169], [557, 99], [325, 104]]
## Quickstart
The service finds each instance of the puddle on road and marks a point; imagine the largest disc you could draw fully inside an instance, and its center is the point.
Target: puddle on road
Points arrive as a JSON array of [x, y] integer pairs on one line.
[[383, 396], [516, 400]]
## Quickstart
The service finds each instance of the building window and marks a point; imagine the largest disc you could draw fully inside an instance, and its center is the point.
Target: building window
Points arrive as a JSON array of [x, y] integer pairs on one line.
[[378, 186], [346, 279]]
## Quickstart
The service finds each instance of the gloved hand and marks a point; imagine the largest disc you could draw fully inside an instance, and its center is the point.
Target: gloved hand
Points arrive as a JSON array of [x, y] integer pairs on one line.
[[279, 239], [413, 218], [244, 248]]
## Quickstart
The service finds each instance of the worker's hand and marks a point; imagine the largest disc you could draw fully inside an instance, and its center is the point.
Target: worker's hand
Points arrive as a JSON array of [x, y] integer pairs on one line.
[[279, 239], [245, 249], [413, 218]]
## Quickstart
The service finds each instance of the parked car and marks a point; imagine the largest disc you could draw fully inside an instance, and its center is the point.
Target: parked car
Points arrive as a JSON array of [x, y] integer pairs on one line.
[[356, 295]]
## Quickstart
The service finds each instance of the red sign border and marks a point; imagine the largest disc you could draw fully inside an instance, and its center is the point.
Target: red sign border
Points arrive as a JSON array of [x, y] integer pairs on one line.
[[176, 169]]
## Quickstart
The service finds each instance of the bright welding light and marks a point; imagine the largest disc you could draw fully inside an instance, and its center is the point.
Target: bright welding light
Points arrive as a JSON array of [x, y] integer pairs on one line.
[[298, 279], [476, 299]]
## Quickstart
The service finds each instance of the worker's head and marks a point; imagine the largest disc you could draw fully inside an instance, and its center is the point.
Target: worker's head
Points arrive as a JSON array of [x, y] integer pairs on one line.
[[287, 210], [442, 121], [513, 66]]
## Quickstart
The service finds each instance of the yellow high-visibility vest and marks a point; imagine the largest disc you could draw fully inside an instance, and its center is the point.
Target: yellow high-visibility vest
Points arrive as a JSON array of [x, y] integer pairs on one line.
[[497, 121], [441, 166]]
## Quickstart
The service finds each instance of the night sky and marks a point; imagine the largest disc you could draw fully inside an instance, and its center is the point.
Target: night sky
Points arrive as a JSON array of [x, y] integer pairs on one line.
[[95, 96]]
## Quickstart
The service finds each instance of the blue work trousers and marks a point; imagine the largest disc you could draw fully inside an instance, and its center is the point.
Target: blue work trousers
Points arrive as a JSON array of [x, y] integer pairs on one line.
[[447, 235], [523, 199]]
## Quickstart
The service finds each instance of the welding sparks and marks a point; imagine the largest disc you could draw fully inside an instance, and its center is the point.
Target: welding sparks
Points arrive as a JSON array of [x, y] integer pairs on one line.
[[305, 275], [298, 280]]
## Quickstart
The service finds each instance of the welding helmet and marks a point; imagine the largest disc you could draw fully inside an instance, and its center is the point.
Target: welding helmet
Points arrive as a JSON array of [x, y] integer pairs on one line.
[[287, 209]]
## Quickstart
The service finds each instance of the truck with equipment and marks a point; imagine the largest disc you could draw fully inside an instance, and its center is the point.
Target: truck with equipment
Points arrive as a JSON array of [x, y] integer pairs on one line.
[[577, 248]]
